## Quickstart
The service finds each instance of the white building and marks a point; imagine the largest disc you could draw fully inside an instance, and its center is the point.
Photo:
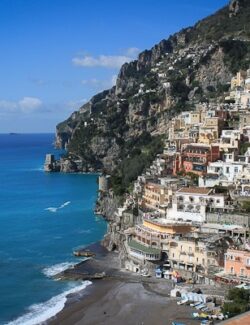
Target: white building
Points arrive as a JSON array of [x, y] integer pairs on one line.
[[242, 183], [192, 203], [229, 140]]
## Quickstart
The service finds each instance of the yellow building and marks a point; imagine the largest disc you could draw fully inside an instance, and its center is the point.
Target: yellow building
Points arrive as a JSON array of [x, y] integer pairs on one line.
[[167, 227], [156, 196], [244, 120], [158, 232], [207, 135], [197, 254], [238, 80]]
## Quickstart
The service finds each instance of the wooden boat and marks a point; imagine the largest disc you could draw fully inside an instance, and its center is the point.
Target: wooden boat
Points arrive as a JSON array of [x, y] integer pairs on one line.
[[83, 253]]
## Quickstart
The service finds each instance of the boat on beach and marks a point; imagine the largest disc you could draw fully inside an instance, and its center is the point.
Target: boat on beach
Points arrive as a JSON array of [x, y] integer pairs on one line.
[[83, 253]]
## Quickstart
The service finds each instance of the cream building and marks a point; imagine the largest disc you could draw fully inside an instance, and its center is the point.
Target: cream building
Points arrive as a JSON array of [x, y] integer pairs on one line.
[[156, 196], [192, 204], [202, 253]]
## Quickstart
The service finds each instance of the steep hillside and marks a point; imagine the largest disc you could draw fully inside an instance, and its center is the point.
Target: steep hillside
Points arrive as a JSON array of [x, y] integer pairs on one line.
[[120, 130]]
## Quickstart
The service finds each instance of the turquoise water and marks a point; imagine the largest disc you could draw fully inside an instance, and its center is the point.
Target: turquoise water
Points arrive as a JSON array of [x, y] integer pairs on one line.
[[43, 217]]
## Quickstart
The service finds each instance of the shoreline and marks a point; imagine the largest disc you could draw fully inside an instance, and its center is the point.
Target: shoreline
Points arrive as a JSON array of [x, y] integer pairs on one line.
[[125, 302], [121, 298]]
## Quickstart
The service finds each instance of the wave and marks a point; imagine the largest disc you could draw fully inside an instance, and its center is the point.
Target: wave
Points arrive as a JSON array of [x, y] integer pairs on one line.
[[39, 313], [64, 205], [54, 209], [51, 209], [53, 270]]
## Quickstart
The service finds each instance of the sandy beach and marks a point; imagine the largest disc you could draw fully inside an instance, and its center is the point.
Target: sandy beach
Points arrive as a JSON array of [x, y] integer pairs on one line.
[[122, 298], [123, 302]]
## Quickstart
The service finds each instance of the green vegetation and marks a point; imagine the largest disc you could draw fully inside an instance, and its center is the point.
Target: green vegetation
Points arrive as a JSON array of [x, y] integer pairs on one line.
[[193, 177], [239, 302], [218, 26], [246, 206], [180, 89], [140, 152], [236, 54], [244, 147], [220, 189]]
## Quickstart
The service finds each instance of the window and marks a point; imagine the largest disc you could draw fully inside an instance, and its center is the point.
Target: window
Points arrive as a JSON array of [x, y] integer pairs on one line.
[[242, 272], [232, 258], [173, 255], [236, 170], [232, 270], [190, 249], [248, 261], [227, 170]]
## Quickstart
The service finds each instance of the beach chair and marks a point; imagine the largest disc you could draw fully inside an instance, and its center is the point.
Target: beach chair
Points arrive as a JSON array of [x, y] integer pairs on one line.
[[195, 304], [200, 306]]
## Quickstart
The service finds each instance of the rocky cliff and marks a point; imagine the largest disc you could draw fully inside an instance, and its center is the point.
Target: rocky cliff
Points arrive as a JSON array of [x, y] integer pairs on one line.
[[192, 66]]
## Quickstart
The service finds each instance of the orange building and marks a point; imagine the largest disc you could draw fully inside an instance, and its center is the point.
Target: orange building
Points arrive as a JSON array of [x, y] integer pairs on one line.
[[237, 263], [195, 157]]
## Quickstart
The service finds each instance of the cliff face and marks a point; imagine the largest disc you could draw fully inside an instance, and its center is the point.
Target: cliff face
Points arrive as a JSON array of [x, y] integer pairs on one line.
[[193, 65]]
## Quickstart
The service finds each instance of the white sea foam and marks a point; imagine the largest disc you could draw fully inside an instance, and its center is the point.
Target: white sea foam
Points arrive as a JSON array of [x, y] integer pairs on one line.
[[51, 209], [57, 268], [54, 209], [39, 313], [64, 204]]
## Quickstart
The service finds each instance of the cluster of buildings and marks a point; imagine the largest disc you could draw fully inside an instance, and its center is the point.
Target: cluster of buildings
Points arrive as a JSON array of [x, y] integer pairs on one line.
[[193, 203]]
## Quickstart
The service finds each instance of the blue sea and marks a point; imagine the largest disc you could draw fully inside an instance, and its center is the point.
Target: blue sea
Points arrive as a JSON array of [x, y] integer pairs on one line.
[[43, 217]]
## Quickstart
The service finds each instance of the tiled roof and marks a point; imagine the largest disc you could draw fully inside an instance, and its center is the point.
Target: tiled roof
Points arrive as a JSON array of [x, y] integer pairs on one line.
[[195, 190]]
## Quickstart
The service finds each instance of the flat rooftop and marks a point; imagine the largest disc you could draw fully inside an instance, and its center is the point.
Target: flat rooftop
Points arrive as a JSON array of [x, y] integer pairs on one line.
[[195, 190], [167, 222], [221, 227]]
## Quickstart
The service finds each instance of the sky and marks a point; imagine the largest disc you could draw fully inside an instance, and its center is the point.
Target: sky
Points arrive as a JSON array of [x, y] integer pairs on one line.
[[56, 54]]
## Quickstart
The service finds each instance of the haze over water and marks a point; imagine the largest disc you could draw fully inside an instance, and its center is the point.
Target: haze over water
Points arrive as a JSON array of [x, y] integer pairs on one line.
[[43, 217]]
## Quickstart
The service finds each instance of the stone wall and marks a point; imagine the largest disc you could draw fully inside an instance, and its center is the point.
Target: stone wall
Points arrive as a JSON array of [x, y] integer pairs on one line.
[[234, 219]]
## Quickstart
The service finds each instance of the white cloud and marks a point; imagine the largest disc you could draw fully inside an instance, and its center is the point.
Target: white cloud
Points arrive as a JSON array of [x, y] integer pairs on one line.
[[132, 52], [7, 105], [113, 80], [75, 104], [105, 61], [100, 84], [25, 105], [29, 104], [85, 59]]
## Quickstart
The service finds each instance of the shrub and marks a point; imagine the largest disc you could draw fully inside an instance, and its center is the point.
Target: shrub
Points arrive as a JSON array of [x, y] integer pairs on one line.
[[246, 206], [239, 302], [139, 154], [235, 52]]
